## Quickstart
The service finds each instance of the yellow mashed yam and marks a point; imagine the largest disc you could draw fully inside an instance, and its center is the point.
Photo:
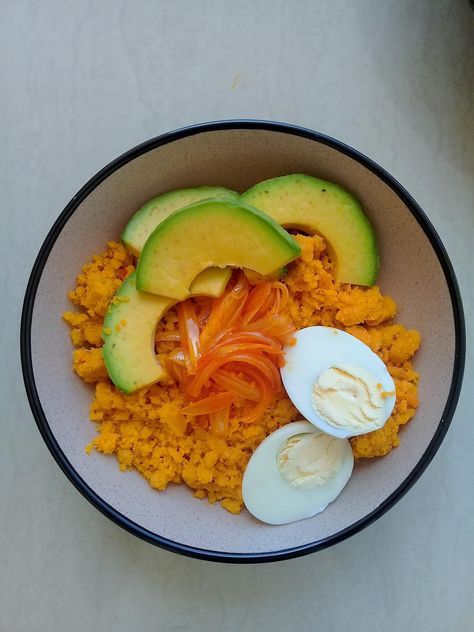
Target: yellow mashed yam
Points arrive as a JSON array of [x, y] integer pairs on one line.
[[148, 432]]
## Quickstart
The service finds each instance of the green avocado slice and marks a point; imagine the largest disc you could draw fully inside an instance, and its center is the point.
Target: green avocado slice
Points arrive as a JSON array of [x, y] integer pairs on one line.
[[211, 233], [210, 282], [315, 206], [146, 219], [129, 337]]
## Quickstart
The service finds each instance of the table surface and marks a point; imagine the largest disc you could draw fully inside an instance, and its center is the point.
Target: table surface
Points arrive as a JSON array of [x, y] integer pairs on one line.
[[84, 81]]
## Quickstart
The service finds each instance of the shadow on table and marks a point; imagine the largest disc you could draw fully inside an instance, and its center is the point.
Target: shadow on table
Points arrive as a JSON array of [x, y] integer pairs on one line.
[[431, 43]]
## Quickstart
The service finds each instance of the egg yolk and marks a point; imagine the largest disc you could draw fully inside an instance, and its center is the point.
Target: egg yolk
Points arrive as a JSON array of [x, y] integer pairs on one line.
[[347, 396], [310, 459]]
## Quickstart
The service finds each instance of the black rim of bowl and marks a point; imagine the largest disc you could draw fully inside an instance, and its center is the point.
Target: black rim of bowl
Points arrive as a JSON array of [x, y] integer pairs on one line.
[[88, 492]]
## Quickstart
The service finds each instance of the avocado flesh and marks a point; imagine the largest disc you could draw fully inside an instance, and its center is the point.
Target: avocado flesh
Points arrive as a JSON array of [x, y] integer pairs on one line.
[[147, 218], [210, 282], [211, 233], [313, 206], [129, 337]]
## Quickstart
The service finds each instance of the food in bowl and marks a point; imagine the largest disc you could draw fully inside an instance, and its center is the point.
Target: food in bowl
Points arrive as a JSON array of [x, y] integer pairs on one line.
[[295, 473], [185, 327]]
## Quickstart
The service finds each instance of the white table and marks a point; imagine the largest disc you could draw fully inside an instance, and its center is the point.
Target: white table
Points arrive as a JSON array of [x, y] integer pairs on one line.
[[84, 81]]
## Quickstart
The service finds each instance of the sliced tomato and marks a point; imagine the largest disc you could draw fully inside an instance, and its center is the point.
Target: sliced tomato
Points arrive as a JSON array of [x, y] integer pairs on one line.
[[230, 352], [259, 301], [225, 311], [210, 404], [266, 398], [229, 381], [189, 332], [219, 421]]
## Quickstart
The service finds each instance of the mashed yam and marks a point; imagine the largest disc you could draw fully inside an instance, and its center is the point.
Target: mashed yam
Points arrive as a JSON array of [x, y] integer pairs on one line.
[[148, 432]]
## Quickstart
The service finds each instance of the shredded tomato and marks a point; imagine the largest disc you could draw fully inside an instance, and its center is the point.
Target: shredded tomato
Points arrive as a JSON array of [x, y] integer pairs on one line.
[[229, 351]]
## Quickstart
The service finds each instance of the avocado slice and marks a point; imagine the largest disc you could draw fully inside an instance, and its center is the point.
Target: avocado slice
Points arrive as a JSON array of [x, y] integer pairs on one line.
[[146, 219], [129, 337], [316, 206], [211, 282], [211, 233]]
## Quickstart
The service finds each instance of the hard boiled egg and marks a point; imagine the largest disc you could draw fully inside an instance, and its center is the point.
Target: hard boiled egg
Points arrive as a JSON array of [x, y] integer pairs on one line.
[[337, 382], [295, 473]]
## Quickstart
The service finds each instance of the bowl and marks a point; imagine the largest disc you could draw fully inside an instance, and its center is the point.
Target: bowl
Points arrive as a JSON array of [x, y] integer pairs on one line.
[[415, 269]]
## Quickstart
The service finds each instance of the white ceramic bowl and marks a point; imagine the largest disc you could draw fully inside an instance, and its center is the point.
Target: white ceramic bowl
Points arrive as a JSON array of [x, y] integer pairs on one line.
[[415, 269]]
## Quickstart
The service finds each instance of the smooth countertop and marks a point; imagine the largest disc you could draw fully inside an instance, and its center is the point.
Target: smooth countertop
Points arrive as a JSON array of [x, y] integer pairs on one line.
[[82, 82]]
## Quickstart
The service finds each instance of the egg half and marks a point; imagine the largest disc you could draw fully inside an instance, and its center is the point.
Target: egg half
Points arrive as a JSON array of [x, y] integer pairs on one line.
[[295, 473], [337, 382]]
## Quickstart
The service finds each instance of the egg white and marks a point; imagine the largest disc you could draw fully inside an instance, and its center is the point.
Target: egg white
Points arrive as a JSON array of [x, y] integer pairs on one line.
[[318, 349], [272, 499]]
